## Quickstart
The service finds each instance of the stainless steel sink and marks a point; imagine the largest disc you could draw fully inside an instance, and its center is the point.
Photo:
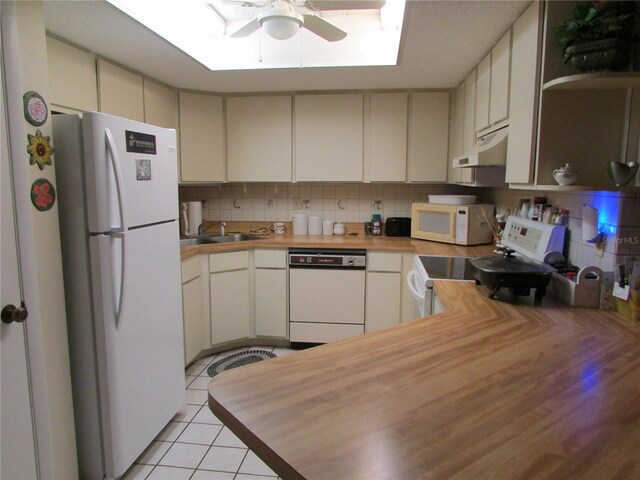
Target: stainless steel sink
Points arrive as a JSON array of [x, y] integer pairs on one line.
[[208, 239]]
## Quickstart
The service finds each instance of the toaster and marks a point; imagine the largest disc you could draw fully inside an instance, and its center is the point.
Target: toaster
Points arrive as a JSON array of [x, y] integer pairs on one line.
[[397, 227]]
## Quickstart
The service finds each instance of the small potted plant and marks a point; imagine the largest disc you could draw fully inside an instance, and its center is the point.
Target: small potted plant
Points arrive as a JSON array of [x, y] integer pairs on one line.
[[600, 34]]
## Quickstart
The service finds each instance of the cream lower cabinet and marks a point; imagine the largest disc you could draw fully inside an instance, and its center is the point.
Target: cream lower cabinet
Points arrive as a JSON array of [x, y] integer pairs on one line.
[[193, 309], [270, 293], [383, 293], [229, 296]]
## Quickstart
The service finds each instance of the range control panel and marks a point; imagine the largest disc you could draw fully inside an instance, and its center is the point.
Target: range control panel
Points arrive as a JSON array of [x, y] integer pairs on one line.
[[327, 258], [532, 238]]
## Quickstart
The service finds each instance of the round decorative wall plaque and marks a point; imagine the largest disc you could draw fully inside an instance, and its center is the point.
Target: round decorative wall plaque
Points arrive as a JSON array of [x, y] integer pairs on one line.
[[36, 111]]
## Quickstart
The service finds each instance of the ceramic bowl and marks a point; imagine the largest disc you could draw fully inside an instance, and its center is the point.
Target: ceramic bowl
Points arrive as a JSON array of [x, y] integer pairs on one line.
[[622, 173], [565, 175]]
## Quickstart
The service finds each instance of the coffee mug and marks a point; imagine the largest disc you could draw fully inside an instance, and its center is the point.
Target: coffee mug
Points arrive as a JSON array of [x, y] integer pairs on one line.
[[277, 227]]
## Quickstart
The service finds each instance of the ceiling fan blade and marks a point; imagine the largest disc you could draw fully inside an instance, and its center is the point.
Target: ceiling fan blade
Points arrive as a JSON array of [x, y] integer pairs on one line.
[[344, 4], [247, 29], [323, 29]]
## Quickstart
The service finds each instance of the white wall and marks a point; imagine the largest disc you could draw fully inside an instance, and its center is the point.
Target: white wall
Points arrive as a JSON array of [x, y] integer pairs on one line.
[[25, 62]]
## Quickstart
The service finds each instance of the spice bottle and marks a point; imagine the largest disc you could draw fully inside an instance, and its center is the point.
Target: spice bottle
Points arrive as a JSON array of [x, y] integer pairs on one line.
[[376, 224]]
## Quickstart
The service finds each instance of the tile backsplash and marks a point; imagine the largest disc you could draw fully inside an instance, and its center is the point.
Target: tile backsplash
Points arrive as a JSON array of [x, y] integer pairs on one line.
[[356, 202], [340, 202], [619, 218]]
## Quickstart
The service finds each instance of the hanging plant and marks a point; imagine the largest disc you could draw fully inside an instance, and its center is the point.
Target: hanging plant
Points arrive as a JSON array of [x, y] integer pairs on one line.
[[599, 21]]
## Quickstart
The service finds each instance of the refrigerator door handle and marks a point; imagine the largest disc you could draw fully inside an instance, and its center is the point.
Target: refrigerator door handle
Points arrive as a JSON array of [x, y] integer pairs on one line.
[[115, 162], [122, 231], [122, 295]]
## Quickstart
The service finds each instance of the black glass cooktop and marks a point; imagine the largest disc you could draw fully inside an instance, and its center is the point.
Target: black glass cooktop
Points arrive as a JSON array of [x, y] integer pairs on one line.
[[450, 268]]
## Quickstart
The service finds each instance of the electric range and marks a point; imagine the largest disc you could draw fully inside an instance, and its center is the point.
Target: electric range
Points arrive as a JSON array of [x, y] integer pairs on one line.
[[426, 269]]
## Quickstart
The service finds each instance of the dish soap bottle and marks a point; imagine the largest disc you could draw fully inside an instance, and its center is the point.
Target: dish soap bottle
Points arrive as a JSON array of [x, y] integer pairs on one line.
[[376, 224]]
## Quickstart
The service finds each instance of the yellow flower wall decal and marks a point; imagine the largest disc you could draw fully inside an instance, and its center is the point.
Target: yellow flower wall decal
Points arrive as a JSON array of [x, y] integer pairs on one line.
[[39, 150]]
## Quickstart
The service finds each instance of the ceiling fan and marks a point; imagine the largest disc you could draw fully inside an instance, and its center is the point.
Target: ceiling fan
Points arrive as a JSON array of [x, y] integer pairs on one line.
[[283, 21]]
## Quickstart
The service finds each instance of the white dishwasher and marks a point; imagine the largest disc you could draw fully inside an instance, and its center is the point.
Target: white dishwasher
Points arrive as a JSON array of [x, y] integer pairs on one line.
[[326, 294]]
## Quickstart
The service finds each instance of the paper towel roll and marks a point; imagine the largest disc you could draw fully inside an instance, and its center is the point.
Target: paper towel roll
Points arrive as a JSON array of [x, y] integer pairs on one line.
[[194, 217]]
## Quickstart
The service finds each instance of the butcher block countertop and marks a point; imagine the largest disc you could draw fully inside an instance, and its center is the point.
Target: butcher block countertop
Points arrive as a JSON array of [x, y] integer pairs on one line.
[[369, 242], [489, 389]]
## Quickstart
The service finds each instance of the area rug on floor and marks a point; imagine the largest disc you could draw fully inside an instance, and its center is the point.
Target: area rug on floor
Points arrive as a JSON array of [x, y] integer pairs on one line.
[[236, 360]]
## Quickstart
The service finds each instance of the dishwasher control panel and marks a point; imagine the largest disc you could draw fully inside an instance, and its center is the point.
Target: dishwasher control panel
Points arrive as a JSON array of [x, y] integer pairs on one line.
[[327, 258]]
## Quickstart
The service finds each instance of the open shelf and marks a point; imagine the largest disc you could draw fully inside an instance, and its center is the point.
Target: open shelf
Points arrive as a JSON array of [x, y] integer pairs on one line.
[[595, 81]]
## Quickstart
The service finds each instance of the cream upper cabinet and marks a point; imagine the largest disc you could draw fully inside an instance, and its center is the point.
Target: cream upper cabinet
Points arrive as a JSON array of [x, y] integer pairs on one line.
[[500, 74], [457, 175], [259, 139], [469, 120], [456, 122], [72, 78], [492, 85], [428, 137], [329, 137], [483, 92], [193, 309], [160, 105], [120, 92], [202, 146], [388, 137], [523, 97]]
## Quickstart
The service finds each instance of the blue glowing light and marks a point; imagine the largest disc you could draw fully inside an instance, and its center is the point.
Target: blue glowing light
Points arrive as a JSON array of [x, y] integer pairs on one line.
[[607, 205], [589, 377]]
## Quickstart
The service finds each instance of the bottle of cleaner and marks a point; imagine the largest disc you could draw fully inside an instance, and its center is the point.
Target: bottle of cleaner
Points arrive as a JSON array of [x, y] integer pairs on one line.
[[376, 224]]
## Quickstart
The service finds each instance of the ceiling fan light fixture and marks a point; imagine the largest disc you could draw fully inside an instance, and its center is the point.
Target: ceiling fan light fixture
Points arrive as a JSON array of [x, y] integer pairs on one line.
[[281, 27]]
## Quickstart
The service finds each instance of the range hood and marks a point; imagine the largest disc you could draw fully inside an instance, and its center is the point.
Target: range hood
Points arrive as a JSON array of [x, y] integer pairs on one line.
[[489, 151]]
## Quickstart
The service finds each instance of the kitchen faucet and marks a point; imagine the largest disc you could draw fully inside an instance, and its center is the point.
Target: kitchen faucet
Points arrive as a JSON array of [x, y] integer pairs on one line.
[[222, 225]]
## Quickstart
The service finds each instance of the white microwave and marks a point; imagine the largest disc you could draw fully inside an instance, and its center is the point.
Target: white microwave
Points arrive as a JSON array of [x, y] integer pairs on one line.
[[459, 224]]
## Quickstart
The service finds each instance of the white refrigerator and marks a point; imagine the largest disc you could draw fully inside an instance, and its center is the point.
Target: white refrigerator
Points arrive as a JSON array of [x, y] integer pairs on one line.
[[118, 199]]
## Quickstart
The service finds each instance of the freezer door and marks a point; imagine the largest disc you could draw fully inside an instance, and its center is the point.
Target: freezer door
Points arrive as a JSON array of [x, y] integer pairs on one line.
[[131, 171], [140, 356]]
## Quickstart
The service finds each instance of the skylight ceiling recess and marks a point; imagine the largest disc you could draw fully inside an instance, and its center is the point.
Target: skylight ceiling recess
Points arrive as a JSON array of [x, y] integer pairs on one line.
[[203, 31]]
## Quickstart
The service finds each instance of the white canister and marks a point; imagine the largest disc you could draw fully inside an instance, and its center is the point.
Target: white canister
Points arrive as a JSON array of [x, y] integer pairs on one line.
[[327, 227], [315, 225], [339, 229], [299, 224]]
